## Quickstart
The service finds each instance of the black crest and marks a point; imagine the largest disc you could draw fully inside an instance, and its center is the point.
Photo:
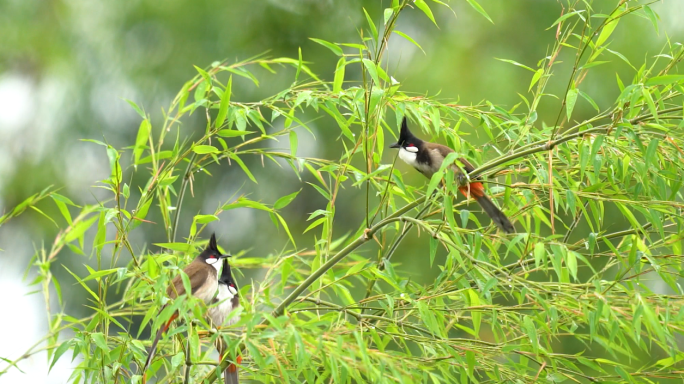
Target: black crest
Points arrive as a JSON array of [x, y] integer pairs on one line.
[[212, 251], [212, 244], [226, 276], [406, 136]]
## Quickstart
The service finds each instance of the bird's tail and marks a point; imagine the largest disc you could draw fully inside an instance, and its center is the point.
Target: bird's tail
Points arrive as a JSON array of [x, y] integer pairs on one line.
[[230, 375], [476, 190], [153, 350]]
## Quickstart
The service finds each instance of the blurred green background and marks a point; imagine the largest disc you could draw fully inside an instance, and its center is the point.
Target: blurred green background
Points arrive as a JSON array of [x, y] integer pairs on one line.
[[66, 67]]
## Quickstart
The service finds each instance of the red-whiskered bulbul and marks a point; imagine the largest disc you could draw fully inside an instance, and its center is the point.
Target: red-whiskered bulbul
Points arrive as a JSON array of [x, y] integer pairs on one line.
[[427, 158], [203, 275], [225, 302]]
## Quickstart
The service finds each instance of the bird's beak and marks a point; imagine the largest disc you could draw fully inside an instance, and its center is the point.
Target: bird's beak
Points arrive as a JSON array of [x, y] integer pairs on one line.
[[395, 145], [226, 256]]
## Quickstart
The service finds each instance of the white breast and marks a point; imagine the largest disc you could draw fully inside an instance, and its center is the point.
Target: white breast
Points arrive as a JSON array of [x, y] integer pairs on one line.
[[219, 312]]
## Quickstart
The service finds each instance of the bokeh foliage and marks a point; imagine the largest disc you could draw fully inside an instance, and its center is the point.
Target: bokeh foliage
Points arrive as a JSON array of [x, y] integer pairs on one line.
[[551, 303]]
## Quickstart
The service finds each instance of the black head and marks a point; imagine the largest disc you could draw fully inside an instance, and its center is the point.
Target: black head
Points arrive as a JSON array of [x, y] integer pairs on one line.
[[406, 138], [211, 254], [226, 275]]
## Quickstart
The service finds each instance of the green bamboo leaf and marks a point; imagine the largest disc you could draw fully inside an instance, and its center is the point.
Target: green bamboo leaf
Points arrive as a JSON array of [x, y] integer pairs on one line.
[[651, 104], [205, 149], [59, 352], [516, 64], [650, 155], [479, 8], [339, 75], [374, 30], [244, 202], [205, 219], [590, 100], [243, 166], [670, 361], [570, 101], [537, 75], [387, 14], [293, 143], [372, 70], [434, 182], [141, 140], [63, 209], [300, 64], [433, 249], [225, 103], [566, 16], [177, 360], [664, 80], [152, 311], [204, 74], [596, 145], [426, 9], [285, 200], [315, 224], [407, 37], [137, 109], [539, 254], [571, 262], [628, 215], [255, 117], [334, 48], [287, 229], [98, 274], [242, 72], [609, 27], [476, 315], [652, 16], [77, 231], [100, 341], [180, 247], [623, 58], [233, 133], [531, 332]]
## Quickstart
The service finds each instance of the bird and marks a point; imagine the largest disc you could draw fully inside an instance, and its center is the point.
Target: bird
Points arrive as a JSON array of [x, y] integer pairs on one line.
[[204, 284], [225, 302], [427, 158]]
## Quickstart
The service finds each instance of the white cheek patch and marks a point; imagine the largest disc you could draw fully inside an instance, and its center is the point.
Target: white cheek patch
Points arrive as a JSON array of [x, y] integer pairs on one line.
[[214, 263], [412, 149], [232, 290], [408, 157]]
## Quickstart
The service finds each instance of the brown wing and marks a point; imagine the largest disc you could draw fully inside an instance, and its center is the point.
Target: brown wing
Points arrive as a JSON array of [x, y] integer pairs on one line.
[[197, 273], [176, 288], [443, 151]]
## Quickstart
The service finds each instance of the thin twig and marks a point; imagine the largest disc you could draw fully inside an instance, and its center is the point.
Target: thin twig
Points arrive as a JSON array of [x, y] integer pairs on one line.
[[181, 195]]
